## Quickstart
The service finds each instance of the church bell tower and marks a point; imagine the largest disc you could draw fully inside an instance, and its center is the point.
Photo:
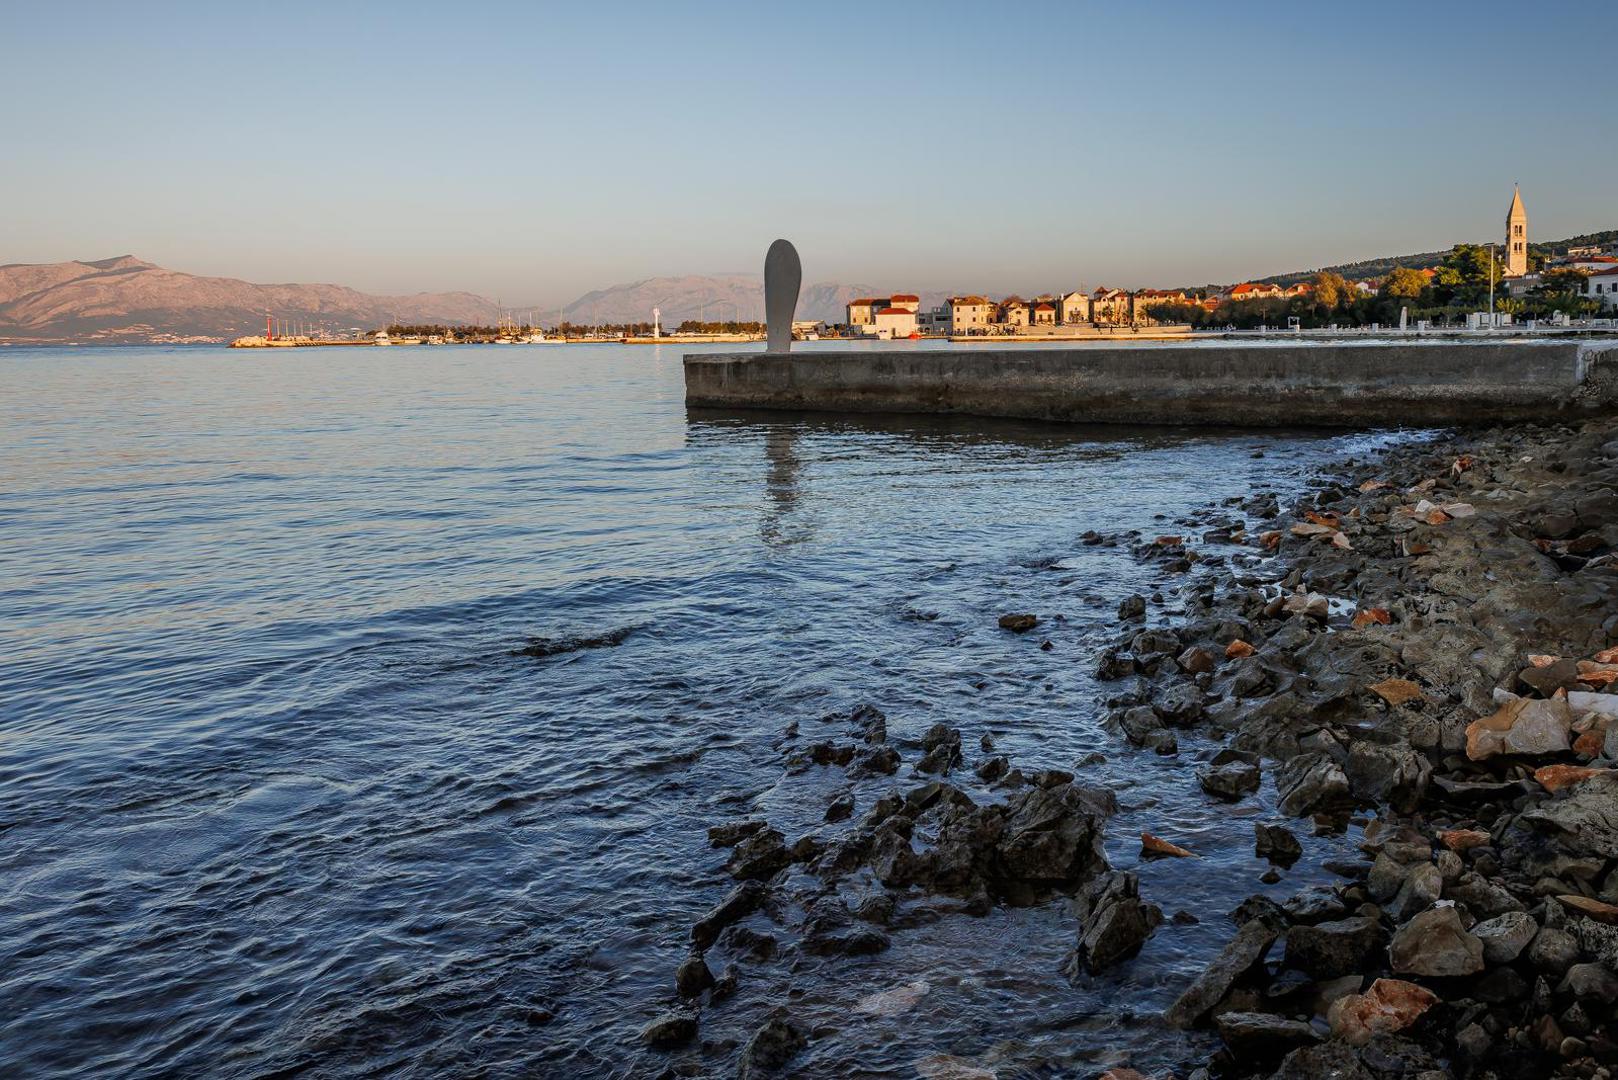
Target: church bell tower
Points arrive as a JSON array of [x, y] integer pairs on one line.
[[1516, 237]]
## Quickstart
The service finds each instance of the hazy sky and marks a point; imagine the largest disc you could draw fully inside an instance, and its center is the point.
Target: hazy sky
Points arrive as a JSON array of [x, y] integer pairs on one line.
[[535, 151]]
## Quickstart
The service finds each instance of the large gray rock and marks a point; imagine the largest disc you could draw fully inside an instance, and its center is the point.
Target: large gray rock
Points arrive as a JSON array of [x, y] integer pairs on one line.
[[1261, 1035], [742, 901], [1423, 885], [1505, 936], [1310, 781], [1331, 949], [1113, 921], [1229, 781], [1396, 774], [774, 1044], [1435, 944], [1052, 836], [1238, 956], [1586, 821]]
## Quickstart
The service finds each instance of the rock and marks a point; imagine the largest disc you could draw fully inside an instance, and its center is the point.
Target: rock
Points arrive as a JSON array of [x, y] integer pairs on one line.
[[1590, 982], [1553, 950], [1397, 774], [1262, 1035], [1529, 726], [1585, 821], [692, 977], [1276, 843], [1599, 910], [734, 832], [1463, 839], [1229, 781], [674, 1028], [869, 723], [742, 901], [1505, 936], [745, 941], [1325, 1061], [759, 856], [1423, 885], [1239, 955], [1390, 1005], [1397, 691], [1196, 660], [1052, 836], [883, 759], [1018, 624], [1113, 922], [1434, 943], [1132, 607], [1309, 781], [1329, 950], [771, 1047], [938, 761], [1308, 605], [841, 808], [1181, 704], [1152, 845], [895, 1002], [993, 768], [1560, 675], [1316, 904]]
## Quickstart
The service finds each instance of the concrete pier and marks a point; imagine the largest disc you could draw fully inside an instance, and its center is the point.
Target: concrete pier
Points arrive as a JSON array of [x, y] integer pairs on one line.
[[1326, 384]]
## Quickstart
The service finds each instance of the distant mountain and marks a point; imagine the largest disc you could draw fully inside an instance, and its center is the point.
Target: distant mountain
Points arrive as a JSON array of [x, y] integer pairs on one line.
[[127, 299], [715, 297]]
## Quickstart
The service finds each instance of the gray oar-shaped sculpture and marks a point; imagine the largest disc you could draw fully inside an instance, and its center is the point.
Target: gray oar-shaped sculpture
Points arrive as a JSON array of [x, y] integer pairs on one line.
[[782, 277]]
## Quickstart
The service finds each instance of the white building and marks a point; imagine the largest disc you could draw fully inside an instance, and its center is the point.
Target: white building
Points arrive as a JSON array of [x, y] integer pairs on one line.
[[1602, 287], [895, 322]]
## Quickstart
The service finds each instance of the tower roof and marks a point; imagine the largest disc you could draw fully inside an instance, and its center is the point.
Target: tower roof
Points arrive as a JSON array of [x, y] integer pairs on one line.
[[1516, 210]]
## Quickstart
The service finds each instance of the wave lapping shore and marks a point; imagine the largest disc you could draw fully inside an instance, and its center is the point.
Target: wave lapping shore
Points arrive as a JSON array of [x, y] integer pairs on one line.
[[1418, 655]]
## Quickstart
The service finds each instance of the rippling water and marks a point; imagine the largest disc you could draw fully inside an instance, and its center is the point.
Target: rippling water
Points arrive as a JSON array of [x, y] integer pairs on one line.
[[278, 797]]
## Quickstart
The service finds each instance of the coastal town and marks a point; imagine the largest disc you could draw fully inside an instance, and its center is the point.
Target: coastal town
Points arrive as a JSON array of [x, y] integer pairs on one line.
[[1580, 281], [1514, 286]]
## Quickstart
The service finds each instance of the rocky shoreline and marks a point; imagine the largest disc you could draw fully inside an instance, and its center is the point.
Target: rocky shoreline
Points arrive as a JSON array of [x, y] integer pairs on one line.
[[1418, 653]]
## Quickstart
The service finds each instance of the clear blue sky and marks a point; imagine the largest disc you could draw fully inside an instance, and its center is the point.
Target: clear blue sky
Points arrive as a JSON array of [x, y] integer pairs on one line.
[[534, 151]]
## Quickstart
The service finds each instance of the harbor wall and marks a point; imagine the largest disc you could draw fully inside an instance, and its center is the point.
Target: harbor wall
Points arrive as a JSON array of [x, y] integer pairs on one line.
[[1326, 384]]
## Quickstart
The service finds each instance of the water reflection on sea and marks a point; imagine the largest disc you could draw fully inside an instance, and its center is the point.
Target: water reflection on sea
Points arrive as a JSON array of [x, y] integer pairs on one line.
[[278, 796]]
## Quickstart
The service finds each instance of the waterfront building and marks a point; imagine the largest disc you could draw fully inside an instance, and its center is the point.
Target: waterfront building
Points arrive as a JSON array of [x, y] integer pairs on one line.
[[895, 322], [1042, 314], [1109, 305], [970, 313], [1074, 307], [1013, 311], [1252, 290], [905, 302], [1602, 287], [862, 312], [1516, 236]]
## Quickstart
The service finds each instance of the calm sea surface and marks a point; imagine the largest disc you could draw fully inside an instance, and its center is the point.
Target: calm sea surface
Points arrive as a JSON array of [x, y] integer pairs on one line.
[[279, 798]]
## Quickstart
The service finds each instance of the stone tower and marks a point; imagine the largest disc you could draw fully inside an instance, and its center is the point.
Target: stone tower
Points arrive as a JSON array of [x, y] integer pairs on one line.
[[1516, 237]]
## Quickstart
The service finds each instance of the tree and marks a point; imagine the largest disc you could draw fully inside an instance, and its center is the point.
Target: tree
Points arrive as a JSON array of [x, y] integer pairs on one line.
[[1404, 283], [1332, 291], [1561, 282]]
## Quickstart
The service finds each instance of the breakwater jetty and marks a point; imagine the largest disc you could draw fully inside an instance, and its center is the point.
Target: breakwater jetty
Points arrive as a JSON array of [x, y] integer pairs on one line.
[[1214, 383]]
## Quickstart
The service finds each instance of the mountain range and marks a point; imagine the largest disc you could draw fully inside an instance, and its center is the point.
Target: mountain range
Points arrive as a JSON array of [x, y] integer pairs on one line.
[[128, 299]]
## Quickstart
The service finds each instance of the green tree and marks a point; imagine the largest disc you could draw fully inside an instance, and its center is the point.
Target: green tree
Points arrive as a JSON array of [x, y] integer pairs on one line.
[[1561, 282], [1404, 283]]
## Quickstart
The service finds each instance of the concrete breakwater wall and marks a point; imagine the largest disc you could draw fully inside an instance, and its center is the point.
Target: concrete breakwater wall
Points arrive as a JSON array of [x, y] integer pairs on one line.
[[1327, 384]]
